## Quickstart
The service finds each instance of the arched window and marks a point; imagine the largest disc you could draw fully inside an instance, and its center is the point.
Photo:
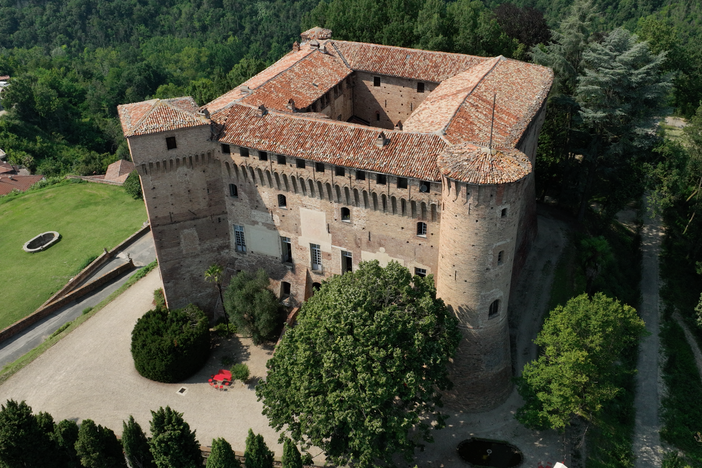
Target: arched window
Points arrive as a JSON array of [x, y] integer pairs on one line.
[[260, 177], [494, 308], [501, 257], [346, 215], [422, 229], [284, 289], [282, 201], [375, 202], [384, 202], [311, 185], [320, 190], [233, 191], [338, 193]]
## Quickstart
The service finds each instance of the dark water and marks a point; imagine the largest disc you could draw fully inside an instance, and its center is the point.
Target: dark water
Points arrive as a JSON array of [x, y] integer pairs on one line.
[[483, 452]]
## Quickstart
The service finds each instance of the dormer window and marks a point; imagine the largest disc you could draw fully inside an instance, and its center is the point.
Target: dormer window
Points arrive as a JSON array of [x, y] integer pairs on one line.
[[171, 143]]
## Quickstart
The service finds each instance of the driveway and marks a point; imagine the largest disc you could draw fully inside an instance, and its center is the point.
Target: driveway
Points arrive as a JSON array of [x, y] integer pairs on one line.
[[142, 253]]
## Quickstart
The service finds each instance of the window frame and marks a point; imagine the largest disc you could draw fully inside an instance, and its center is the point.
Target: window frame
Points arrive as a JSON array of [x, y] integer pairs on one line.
[[494, 309], [286, 246], [421, 272], [239, 238], [421, 229], [316, 257]]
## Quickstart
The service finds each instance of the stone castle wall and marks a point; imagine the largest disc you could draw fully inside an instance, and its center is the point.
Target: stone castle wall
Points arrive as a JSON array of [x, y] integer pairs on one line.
[[479, 235], [183, 192]]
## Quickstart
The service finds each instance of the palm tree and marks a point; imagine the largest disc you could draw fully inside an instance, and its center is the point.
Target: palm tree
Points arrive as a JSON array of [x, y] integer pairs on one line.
[[214, 275]]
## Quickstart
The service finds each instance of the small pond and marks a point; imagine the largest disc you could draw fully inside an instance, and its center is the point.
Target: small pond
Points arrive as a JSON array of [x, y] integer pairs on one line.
[[489, 453], [41, 242]]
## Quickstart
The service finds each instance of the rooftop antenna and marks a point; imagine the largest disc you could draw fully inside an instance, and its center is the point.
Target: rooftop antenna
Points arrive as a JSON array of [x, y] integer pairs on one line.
[[492, 121]]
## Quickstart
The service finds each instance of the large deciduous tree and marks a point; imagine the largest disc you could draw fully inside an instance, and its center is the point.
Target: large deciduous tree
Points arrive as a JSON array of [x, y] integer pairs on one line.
[[360, 373], [251, 306], [582, 344]]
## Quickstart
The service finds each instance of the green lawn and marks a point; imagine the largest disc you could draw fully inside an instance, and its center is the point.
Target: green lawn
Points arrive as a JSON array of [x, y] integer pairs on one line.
[[88, 217]]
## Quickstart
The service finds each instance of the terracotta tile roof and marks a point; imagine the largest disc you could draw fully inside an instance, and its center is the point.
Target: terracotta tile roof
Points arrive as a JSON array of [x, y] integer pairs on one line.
[[439, 107], [305, 81], [519, 89], [159, 115], [415, 64], [17, 182], [474, 165], [6, 168], [316, 33], [266, 75], [118, 171], [340, 143]]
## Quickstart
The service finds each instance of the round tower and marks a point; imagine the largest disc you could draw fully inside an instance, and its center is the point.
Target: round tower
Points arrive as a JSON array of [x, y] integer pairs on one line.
[[483, 193]]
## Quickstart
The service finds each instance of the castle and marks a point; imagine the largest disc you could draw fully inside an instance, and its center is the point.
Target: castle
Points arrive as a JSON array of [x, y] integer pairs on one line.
[[343, 152]]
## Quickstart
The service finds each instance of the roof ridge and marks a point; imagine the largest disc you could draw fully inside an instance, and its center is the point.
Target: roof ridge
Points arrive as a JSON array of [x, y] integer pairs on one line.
[[423, 51], [497, 60]]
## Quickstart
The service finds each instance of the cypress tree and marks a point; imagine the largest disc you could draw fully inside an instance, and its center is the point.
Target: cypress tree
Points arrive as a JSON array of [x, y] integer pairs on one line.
[[257, 454], [65, 436], [291, 455], [22, 440], [222, 455], [98, 447], [172, 442], [136, 445]]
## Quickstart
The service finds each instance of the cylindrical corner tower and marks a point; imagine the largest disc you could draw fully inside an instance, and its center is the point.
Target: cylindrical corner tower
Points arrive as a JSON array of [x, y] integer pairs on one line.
[[483, 192]]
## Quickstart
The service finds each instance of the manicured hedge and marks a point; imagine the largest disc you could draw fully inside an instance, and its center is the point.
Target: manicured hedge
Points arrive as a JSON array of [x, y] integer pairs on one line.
[[171, 345]]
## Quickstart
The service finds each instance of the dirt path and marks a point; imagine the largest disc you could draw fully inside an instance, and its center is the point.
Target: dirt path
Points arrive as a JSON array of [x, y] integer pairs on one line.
[[647, 443]]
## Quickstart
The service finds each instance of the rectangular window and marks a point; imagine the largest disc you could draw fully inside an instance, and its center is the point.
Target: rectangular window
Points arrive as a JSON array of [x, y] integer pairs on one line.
[[262, 156], [380, 179], [300, 163], [346, 261], [424, 186], [239, 239], [319, 167], [226, 149], [376, 81], [287, 249], [401, 182], [171, 143], [420, 87], [501, 257], [316, 257], [281, 159], [420, 272], [360, 175], [244, 152], [284, 288], [340, 171]]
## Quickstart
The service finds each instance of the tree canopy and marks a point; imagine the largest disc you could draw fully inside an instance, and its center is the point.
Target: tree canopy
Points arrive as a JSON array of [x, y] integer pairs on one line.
[[251, 306], [172, 442], [582, 344], [362, 369]]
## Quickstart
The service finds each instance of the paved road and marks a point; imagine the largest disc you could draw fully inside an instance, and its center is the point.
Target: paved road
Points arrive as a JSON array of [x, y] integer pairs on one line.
[[647, 442], [142, 253]]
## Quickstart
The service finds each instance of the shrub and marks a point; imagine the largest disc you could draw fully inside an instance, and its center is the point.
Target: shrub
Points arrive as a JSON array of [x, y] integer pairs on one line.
[[132, 185], [159, 299], [240, 372], [61, 329], [223, 330], [252, 307], [87, 310], [168, 346]]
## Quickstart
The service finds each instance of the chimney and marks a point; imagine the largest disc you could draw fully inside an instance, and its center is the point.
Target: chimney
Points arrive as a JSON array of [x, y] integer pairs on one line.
[[296, 46], [291, 105], [398, 125], [381, 140], [262, 110]]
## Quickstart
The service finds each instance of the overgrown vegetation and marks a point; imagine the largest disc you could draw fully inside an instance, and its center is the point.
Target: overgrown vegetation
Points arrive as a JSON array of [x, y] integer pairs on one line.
[[171, 345]]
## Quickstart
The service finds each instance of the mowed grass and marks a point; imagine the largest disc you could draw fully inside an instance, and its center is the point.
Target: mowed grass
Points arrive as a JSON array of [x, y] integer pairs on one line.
[[89, 217]]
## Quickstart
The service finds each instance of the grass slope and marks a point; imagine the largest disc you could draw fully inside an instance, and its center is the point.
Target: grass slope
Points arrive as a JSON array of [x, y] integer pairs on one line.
[[89, 217]]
